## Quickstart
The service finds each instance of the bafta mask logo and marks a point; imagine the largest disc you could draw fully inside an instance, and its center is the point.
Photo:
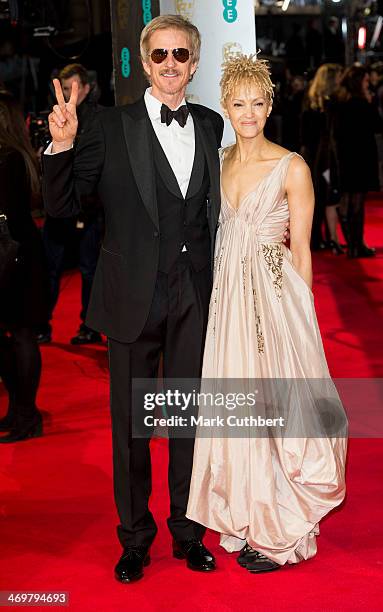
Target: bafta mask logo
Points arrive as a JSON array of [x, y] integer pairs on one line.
[[185, 8], [193, 98], [229, 49], [122, 14]]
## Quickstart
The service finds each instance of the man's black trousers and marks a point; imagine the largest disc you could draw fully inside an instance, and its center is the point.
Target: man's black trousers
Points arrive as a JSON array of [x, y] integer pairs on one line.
[[175, 328]]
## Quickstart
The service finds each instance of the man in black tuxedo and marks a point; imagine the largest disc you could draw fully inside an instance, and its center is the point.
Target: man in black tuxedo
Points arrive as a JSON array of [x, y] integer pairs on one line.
[[155, 164]]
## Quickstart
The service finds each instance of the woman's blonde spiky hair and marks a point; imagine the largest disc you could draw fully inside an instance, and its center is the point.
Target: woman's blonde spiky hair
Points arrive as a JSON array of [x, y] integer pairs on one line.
[[248, 69]]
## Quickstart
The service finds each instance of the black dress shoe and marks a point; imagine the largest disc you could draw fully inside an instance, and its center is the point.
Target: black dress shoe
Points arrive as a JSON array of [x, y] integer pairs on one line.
[[7, 422], [247, 555], [197, 556], [23, 431], [335, 247], [262, 564], [44, 337], [86, 336], [318, 246], [367, 251], [361, 252], [131, 564]]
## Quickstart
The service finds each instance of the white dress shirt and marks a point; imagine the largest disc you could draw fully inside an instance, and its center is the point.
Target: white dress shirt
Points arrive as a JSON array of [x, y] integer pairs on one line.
[[48, 150], [177, 143]]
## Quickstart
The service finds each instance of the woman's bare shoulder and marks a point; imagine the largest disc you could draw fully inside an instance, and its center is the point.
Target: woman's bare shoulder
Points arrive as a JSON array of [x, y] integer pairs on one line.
[[226, 151], [275, 151], [298, 165], [298, 173]]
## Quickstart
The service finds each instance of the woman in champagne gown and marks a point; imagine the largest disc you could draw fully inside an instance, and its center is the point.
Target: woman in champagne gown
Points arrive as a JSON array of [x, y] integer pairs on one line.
[[265, 495]]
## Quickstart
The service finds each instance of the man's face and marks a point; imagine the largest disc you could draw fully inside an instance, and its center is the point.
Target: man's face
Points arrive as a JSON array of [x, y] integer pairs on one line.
[[83, 90], [170, 77]]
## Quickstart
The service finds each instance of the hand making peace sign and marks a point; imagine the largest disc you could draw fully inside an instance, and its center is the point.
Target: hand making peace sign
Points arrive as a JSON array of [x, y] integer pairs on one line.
[[63, 118]]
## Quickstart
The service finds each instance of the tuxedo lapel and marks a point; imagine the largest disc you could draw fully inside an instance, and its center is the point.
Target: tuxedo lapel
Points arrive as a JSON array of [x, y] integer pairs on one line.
[[164, 167], [196, 177], [209, 144], [137, 132]]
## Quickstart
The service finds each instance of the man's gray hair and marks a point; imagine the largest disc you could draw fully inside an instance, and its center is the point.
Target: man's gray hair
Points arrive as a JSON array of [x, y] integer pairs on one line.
[[171, 22]]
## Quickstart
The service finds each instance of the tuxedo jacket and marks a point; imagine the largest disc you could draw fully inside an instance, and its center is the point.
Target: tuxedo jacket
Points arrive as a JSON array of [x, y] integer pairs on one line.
[[115, 156]]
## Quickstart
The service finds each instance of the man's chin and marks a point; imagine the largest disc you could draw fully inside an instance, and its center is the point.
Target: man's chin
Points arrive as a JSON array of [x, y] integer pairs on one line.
[[172, 85], [170, 89]]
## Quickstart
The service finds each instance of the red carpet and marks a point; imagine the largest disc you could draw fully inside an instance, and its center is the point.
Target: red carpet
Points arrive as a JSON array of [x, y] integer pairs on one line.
[[57, 515]]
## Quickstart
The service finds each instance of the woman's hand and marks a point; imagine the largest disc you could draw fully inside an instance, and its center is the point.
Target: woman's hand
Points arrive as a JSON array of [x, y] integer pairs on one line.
[[286, 233]]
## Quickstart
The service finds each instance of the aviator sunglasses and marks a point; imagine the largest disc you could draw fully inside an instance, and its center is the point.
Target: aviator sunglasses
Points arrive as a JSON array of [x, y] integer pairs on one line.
[[180, 55]]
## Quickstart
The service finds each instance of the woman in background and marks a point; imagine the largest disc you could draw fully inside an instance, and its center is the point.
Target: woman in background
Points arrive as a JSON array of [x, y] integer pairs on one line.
[[23, 303], [319, 151], [357, 122]]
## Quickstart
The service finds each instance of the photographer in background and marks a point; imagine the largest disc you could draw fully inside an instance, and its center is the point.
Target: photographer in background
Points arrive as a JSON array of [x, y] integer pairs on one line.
[[60, 234], [23, 300]]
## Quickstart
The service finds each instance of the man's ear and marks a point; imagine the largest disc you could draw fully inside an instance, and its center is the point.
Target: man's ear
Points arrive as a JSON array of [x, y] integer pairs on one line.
[[193, 69], [87, 88], [146, 67]]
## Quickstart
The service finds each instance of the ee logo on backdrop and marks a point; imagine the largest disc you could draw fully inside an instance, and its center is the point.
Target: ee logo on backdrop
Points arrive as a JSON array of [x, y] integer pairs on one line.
[[125, 52], [125, 62], [146, 11], [230, 13]]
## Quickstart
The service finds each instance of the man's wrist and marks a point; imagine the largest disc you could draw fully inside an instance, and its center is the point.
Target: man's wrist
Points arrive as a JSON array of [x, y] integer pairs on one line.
[[60, 147]]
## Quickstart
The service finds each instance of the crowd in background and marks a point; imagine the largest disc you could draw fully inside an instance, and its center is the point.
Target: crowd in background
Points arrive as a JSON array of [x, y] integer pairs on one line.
[[334, 119], [28, 300]]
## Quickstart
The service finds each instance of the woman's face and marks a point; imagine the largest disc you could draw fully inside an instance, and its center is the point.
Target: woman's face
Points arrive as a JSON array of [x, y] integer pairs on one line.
[[248, 109]]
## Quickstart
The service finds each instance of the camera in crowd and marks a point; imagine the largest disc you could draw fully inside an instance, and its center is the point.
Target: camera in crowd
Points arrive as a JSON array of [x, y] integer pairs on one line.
[[39, 130]]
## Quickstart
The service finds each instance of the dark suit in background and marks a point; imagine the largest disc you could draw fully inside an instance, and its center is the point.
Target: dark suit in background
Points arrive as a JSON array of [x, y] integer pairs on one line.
[[59, 236]]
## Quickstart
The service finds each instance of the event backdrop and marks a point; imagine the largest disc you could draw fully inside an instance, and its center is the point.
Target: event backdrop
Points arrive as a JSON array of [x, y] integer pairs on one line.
[[128, 19], [226, 26]]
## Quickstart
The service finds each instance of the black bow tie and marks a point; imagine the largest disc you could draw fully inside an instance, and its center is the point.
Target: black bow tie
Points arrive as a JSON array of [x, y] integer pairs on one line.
[[180, 115]]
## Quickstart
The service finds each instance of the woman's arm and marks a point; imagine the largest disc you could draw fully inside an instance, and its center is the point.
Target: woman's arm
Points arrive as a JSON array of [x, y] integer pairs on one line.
[[300, 197]]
